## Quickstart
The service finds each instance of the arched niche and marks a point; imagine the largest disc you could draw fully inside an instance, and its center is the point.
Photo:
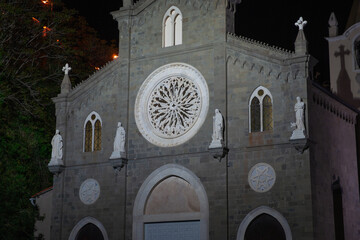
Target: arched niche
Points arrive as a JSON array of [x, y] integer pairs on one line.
[[82, 223], [171, 194], [250, 217]]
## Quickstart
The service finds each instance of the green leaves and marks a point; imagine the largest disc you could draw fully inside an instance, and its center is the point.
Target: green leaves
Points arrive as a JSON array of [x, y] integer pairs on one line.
[[31, 59]]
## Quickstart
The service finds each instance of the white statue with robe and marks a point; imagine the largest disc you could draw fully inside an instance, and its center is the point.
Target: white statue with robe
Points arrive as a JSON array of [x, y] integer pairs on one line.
[[57, 149], [299, 132], [119, 143], [218, 130]]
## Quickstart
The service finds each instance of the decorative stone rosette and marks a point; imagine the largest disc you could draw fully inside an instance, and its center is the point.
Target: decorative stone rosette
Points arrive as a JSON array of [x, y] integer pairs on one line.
[[261, 177], [89, 191], [172, 104]]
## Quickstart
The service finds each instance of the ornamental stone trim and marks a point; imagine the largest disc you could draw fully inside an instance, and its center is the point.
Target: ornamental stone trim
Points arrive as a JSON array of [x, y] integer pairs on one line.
[[172, 104], [85, 221], [257, 212], [157, 176], [261, 177], [89, 191]]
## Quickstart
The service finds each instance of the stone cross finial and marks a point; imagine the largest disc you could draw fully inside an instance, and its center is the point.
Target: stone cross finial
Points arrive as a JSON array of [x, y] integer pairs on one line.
[[66, 69], [301, 23]]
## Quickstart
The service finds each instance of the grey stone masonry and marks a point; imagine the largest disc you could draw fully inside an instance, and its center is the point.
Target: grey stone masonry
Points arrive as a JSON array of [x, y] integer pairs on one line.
[[233, 68]]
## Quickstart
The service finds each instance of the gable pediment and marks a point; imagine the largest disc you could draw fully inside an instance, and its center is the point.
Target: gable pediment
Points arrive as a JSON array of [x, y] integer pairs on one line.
[[144, 10]]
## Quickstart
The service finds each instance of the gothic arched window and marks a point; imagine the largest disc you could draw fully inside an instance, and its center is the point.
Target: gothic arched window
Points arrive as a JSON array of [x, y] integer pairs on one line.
[[260, 110], [97, 136], [255, 115], [88, 137], [92, 132], [172, 27]]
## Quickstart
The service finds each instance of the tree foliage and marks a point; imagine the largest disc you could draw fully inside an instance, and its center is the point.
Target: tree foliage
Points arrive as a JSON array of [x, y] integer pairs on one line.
[[36, 40]]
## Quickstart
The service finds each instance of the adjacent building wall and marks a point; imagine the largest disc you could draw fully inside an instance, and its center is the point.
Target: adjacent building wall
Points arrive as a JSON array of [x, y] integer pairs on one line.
[[333, 156], [344, 71], [44, 202]]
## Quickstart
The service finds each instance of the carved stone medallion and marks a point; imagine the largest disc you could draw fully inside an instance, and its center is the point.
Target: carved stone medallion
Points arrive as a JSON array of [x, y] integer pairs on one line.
[[171, 104], [261, 177], [89, 191]]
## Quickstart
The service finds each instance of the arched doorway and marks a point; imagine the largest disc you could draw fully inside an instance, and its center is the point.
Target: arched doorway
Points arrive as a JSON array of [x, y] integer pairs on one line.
[[88, 228], [265, 227], [89, 232], [264, 223], [171, 204]]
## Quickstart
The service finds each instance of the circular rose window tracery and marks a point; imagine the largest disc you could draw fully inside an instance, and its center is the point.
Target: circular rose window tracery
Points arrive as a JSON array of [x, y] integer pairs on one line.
[[172, 104]]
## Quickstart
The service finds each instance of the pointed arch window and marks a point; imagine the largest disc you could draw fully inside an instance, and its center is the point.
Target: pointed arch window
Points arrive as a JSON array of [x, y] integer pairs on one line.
[[172, 27], [92, 132], [260, 110], [88, 137]]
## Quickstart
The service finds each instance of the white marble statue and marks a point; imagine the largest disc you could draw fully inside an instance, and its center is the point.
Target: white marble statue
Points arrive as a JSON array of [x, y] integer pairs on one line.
[[57, 149], [119, 143], [299, 125], [218, 129]]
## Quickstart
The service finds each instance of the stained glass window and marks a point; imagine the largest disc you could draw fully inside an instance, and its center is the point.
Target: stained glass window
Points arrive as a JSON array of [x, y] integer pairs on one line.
[[88, 137], [255, 115], [267, 114], [97, 136], [92, 132], [260, 110]]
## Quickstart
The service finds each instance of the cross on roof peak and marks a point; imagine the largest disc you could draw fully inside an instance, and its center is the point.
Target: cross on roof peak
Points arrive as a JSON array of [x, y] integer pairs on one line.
[[301, 23], [66, 69]]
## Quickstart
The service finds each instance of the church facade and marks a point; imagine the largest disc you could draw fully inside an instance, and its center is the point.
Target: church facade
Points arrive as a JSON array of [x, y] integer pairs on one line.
[[196, 133]]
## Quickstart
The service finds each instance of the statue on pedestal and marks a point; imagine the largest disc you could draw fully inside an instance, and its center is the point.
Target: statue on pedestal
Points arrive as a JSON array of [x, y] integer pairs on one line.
[[299, 132], [119, 143], [57, 150], [218, 130]]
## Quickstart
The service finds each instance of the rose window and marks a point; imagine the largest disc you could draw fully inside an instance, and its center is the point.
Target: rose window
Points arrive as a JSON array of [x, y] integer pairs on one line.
[[174, 106], [171, 104]]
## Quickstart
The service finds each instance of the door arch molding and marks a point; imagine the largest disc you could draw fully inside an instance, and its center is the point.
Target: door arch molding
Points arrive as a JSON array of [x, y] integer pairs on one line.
[[85, 221], [258, 211], [151, 182]]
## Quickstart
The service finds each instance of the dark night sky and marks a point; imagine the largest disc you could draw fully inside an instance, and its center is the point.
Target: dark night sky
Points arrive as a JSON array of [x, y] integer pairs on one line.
[[268, 21]]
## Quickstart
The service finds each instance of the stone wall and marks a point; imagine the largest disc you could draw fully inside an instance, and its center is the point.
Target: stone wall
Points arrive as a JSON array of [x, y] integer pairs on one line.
[[232, 70], [333, 156], [344, 70], [291, 194], [44, 201]]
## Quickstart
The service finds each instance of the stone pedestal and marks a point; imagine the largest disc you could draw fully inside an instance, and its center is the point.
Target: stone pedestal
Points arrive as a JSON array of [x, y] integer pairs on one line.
[[118, 163], [56, 169], [216, 144], [117, 155], [297, 134], [300, 144], [218, 153]]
